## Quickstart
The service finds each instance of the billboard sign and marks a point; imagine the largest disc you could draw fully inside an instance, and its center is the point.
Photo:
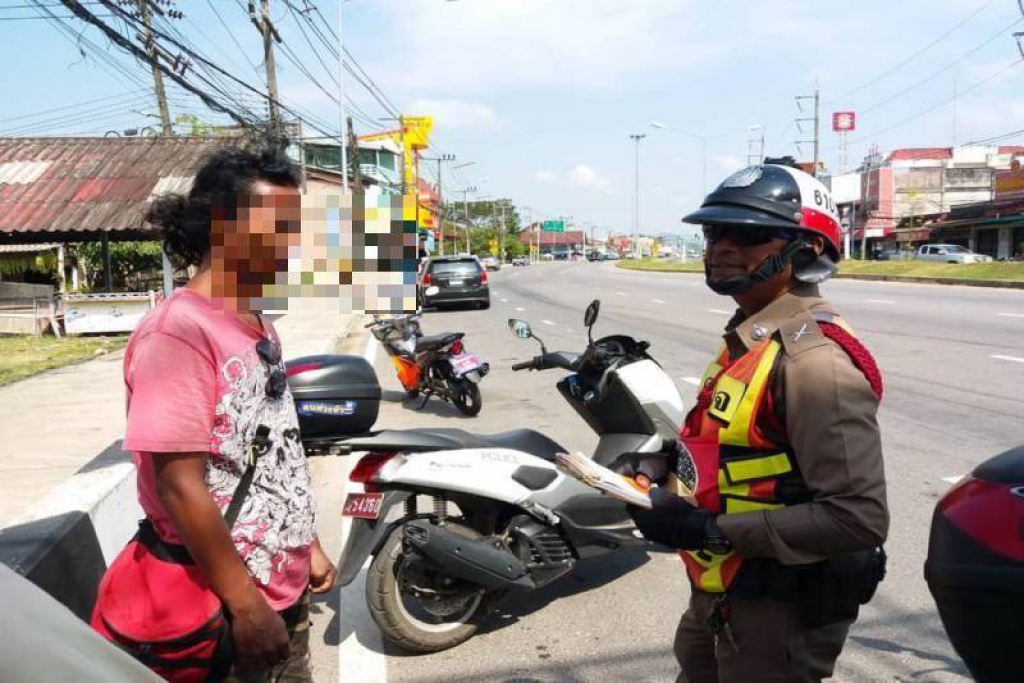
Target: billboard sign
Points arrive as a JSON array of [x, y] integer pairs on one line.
[[844, 121], [553, 226]]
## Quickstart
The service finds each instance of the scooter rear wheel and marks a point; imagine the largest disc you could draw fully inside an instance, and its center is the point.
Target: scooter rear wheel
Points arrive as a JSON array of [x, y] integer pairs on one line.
[[402, 617], [466, 397]]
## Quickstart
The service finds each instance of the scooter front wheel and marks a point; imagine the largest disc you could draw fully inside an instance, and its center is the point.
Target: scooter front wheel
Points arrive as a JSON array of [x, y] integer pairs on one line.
[[419, 609]]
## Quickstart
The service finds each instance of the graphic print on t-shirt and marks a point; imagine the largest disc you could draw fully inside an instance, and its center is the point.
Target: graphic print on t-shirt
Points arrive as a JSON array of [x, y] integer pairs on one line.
[[278, 514]]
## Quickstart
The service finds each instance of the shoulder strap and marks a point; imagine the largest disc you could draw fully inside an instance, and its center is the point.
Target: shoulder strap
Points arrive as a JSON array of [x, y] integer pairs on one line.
[[857, 352], [259, 441]]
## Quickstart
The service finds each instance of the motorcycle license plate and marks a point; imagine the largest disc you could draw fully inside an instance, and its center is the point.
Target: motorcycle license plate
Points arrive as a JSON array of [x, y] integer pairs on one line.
[[456, 283], [464, 362], [362, 505]]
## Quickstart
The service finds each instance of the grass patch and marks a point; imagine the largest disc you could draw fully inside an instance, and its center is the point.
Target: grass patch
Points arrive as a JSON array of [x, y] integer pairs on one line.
[[664, 265], [1007, 271], [998, 270], [24, 356]]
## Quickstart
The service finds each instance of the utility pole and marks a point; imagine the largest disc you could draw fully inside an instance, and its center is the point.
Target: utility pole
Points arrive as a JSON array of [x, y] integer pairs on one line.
[[816, 119], [342, 114], [158, 77], [440, 195], [353, 156], [637, 137], [270, 36]]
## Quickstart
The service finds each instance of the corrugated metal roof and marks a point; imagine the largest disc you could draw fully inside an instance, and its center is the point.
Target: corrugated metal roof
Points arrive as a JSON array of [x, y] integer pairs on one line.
[[27, 248], [81, 185], [920, 153], [1011, 149]]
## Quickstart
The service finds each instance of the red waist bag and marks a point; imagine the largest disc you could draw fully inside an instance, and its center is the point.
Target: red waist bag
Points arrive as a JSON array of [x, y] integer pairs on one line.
[[155, 604], [162, 612]]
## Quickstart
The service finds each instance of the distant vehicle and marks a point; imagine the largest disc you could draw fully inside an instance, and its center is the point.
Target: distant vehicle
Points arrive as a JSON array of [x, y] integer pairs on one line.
[[949, 253], [454, 280], [595, 256], [521, 261], [562, 256], [547, 257], [893, 254], [491, 263], [610, 256]]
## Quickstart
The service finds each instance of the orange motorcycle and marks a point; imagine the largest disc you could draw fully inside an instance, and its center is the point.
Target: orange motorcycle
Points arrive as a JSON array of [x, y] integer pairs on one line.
[[437, 365]]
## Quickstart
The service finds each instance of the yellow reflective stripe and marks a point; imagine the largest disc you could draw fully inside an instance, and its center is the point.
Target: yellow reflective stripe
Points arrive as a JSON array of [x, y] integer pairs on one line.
[[727, 398], [738, 431], [710, 570], [752, 469], [733, 506], [712, 370]]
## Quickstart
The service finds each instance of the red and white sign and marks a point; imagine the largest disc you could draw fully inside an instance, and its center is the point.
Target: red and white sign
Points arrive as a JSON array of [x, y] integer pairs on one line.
[[844, 121]]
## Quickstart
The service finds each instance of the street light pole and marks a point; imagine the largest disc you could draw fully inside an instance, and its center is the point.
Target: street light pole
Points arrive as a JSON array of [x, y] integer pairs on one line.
[[637, 137]]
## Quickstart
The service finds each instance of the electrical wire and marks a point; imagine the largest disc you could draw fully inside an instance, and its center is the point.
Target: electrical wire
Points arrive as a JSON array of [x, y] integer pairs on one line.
[[1002, 32], [912, 57], [938, 105]]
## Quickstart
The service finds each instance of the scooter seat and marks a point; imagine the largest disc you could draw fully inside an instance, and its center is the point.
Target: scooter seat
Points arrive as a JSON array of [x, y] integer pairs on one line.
[[525, 440], [528, 441], [436, 341]]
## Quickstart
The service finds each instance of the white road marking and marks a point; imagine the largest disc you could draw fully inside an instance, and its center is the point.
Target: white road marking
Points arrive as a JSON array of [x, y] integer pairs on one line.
[[520, 309], [953, 480], [504, 301], [882, 301], [622, 294], [361, 647], [548, 322], [1015, 359], [695, 381], [719, 311], [657, 301], [1011, 315]]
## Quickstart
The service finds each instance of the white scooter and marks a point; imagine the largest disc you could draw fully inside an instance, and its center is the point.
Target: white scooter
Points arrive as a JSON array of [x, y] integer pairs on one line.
[[501, 517]]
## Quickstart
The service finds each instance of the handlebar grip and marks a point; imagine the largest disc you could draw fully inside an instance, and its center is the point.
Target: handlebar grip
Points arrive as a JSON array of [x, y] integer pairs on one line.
[[522, 366]]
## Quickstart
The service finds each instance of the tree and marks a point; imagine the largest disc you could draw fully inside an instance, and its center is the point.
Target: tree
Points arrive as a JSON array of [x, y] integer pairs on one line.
[[130, 262]]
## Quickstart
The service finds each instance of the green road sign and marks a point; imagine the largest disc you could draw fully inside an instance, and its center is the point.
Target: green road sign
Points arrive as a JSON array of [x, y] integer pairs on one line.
[[553, 226]]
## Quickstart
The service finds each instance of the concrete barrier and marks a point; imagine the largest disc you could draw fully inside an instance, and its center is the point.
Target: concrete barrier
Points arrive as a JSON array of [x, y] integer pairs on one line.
[[65, 543]]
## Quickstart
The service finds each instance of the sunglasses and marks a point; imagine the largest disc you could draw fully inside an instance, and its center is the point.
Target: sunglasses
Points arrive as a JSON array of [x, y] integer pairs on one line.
[[746, 235], [269, 352]]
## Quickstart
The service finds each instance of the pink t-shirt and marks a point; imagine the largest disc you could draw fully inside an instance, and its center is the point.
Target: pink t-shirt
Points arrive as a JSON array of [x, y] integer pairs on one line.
[[196, 384]]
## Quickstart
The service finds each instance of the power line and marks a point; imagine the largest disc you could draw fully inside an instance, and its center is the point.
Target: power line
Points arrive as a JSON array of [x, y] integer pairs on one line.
[[941, 70], [941, 104], [45, 112], [912, 57]]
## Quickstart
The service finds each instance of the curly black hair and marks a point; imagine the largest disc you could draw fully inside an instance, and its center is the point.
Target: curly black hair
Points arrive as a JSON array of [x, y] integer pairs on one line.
[[226, 174]]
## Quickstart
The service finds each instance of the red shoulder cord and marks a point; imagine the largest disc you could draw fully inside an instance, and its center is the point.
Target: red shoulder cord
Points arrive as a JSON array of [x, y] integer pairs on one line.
[[860, 356]]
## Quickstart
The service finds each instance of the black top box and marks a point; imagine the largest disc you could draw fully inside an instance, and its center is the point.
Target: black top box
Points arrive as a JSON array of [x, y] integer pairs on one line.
[[335, 396]]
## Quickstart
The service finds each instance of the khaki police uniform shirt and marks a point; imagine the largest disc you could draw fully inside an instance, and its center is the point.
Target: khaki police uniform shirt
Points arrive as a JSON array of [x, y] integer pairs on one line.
[[830, 412]]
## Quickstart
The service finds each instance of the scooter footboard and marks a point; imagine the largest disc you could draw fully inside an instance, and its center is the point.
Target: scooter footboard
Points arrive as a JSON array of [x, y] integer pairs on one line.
[[366, 536]]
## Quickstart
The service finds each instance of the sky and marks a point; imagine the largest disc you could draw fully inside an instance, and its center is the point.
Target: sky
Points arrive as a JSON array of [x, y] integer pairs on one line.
[[541, 96]]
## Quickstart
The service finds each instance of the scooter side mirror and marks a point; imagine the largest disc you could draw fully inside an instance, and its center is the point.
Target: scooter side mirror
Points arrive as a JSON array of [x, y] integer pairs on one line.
[[520, 328], [590, 317]]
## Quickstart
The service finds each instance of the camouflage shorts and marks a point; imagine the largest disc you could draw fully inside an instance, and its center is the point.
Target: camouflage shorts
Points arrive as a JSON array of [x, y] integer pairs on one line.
[[297, 668]]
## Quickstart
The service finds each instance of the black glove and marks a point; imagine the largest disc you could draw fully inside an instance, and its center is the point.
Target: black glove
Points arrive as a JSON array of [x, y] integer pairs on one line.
[[655, 467], [672, 521]]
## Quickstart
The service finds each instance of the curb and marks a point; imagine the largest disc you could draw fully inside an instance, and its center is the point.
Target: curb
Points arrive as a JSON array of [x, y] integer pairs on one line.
[[1004, 284], [1001, 284]]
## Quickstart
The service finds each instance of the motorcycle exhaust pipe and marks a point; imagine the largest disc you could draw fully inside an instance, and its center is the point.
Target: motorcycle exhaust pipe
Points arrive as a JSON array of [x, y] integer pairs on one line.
[[475, 560]]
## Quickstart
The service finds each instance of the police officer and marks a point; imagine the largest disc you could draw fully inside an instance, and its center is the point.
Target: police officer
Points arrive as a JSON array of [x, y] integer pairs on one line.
[[781, 536]]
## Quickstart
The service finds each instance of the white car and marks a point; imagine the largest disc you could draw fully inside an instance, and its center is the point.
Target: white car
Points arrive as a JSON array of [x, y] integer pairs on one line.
[[949, 253], [491, 263]]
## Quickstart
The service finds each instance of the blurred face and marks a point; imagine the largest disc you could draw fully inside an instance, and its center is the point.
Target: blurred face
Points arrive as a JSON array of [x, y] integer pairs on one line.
[[251, 250], [733, 252]]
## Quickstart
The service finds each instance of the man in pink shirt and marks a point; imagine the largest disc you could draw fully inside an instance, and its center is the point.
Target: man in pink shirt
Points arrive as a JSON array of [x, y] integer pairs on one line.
[[206, 387]]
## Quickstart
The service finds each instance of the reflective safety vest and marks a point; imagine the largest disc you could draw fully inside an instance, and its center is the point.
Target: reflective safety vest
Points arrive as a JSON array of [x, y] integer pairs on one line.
[[736, 467]]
